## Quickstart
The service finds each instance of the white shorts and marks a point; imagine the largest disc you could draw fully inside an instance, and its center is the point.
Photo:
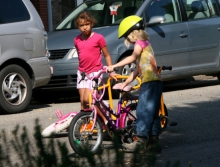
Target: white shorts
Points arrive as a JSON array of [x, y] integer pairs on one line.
[[86, 83]]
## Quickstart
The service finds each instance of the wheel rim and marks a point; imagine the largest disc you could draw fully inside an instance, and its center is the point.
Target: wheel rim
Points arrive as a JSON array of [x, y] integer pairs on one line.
[[128, 69], [163, 121], [163, 117], [82, 136], [14, 89]]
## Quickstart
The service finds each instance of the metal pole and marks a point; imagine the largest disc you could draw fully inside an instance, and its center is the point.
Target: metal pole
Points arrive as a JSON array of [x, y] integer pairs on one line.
[[79, 2], [49, 13]]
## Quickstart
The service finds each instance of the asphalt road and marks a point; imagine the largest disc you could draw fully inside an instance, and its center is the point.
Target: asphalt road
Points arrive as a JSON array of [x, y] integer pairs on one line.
[[196, 138], [194, 105]]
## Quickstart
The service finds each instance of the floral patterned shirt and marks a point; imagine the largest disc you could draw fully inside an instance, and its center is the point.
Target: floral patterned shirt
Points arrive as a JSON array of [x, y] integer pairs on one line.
[[146, 63]]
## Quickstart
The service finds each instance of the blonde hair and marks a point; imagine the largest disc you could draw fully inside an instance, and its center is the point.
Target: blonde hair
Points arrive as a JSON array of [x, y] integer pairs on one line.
[[136, 35], [84, 16]]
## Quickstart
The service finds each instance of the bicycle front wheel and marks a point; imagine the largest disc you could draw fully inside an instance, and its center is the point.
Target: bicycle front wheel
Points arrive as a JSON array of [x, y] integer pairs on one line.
[[82, 141]]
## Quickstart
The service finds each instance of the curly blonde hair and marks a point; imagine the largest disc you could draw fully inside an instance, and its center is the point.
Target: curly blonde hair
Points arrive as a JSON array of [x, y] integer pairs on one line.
[[136, 35]]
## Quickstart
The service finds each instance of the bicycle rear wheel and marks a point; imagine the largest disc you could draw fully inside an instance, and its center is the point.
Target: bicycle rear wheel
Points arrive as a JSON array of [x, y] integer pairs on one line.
[[163, 118], [129, 126], [130, 120], [131, 117], [82, 141]]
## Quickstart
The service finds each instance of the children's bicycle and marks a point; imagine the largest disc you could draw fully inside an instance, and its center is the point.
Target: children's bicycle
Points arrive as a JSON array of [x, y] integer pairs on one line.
[[61, 126], [85, 132]]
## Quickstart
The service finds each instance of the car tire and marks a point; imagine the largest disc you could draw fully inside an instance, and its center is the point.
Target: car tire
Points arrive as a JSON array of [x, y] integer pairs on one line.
[[16, 90]]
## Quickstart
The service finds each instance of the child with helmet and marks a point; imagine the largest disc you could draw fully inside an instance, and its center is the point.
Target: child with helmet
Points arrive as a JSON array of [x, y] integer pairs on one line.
[[148, 126]]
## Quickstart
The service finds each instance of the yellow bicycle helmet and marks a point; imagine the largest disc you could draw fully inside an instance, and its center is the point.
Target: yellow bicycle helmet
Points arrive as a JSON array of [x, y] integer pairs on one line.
[[129, 24]]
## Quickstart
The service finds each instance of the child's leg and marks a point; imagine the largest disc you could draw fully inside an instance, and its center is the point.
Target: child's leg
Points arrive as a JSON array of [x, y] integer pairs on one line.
[[81, 95], [84, 99], [100, 113], [148, 122], [147, 111], [156, 127], [84, 87]]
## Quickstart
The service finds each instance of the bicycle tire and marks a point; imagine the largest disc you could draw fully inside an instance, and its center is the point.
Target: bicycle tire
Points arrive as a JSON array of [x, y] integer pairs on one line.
[[163, 118], [80, 140], [129, 120], [129, 128]]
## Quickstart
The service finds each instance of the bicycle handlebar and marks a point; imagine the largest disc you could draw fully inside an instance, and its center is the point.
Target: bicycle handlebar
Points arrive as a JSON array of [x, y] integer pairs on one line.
[[108, 84], [164, 67], [116, 69], [104, 70]]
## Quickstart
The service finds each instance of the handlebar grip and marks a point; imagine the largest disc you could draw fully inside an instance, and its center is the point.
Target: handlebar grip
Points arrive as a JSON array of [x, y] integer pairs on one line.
[[116, 69], [167, 68]]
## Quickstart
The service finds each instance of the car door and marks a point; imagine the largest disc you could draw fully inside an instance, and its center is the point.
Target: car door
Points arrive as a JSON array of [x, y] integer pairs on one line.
[[169, 39], [204, 24]]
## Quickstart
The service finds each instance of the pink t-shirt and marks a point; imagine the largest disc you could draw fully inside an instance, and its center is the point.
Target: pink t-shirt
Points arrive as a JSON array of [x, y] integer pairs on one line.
[[89, 52]]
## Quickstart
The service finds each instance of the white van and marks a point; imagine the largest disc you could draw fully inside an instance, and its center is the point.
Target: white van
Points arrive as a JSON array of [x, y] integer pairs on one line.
[[23, 61]]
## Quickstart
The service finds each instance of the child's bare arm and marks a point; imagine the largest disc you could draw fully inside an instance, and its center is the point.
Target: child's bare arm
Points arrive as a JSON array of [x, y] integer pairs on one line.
[[107, 56], [108, 61], [130, 59], [133, 75]]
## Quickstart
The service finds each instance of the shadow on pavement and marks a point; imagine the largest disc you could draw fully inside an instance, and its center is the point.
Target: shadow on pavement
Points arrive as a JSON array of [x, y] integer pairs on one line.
[[196, 82]]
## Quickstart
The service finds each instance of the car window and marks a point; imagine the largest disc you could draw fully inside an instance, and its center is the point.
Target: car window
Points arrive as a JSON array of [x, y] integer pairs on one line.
[[13, 11], [200, 9], [107, 12], [169, 9]]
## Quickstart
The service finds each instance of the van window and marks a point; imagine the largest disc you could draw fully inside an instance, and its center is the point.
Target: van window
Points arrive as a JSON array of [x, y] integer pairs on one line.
[[13, 11], [199, 9], [166, 8], [107, 12]]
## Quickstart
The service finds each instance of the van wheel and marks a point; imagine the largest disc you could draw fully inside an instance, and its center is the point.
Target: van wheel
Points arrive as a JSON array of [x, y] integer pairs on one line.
[[16, 89]]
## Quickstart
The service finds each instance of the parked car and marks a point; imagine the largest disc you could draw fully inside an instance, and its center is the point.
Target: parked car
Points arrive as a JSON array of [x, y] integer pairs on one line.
[[184, 34], [23, 61]]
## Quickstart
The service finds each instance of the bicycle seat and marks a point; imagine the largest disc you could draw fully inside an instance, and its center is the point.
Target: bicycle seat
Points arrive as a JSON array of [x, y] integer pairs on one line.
[[125, 89]]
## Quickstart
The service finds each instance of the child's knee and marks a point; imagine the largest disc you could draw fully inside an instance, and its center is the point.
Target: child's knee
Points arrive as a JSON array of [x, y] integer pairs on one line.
[[85, 102]]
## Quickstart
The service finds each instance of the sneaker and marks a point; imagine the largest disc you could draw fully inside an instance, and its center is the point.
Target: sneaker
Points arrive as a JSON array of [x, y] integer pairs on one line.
[[153, 145], [138, 145]]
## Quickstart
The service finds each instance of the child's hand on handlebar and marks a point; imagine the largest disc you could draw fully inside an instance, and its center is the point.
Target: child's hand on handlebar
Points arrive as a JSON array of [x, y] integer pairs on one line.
[[110, 68], [111, 71]]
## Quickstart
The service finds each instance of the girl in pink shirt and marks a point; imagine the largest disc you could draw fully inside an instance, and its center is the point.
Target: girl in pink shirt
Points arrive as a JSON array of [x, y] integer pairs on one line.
[[89, 46]]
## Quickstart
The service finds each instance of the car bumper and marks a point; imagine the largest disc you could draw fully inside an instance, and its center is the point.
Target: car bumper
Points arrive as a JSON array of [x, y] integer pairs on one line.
[[41, 69], [63, 82]]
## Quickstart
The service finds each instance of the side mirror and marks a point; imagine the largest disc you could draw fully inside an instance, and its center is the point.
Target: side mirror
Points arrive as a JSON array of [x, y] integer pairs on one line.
[[156, 20]]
